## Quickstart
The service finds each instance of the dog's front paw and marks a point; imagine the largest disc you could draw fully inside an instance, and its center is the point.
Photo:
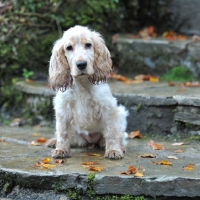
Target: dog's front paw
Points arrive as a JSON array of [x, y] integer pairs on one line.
[[51, 143], [59, 153], [114, 154]]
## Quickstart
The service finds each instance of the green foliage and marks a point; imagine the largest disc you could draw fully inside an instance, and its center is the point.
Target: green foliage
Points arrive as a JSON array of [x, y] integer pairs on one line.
[[27, 74], [179, 73], [90, 191]]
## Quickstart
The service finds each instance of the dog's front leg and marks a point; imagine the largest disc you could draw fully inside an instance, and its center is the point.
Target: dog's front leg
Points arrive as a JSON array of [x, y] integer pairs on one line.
[[113, 136], [63, 136]]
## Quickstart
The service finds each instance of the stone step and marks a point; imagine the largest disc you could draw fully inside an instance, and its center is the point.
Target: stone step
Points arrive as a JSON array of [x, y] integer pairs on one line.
[[155, 56], [154, 108], [21, 179]]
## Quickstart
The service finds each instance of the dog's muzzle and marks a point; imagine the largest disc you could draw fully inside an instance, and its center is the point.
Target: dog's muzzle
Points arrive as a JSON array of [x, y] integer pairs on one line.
[[81, 65]]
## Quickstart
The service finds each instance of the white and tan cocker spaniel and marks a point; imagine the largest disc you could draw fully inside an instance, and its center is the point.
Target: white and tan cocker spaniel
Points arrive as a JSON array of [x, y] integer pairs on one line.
[[86, 112]]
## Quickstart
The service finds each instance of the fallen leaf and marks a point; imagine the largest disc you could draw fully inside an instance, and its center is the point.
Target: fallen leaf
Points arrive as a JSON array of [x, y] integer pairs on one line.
[[188, 167], [93, 154], [142, 77], [181, 90], [172, 157], [155, 146], [196, 38], [139, 173], [41, 140], [46, 160], [87, 164], [178, 143], [134, 134], [48, 166], [131, 170], [154, 79], [145, 155], [27, 80], [36, 134], [34, 143], [162, 162], [2, 140], [178, 151], [59, 161], [96, 168]]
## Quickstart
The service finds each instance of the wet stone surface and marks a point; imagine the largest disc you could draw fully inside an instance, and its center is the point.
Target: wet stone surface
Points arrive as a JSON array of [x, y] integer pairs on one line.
[[18, 158]]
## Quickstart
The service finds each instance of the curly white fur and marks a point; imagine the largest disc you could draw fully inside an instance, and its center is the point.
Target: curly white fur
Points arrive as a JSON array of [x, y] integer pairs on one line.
[[86, 111]]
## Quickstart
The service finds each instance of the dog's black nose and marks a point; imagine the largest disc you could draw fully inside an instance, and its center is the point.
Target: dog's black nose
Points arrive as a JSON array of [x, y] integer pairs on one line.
[[81, 65]]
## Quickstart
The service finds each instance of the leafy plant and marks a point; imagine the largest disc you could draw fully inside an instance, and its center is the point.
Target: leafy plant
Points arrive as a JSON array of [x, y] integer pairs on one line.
[[27, 74], [179, 73]]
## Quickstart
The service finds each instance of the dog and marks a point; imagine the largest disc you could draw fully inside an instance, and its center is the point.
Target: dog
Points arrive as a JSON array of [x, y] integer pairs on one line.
[[86, 112]]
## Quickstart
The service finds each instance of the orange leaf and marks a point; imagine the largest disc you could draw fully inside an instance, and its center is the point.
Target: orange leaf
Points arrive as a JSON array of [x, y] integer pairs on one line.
[[93, 154], [154, 79], [46, 160], [134, 134], [188, 167], [142, 77], [145, 155], [162, 162], [59, 161], [155, 146], [88, 163], [179, 151], [96, 168], [41, 140], [131, 170]]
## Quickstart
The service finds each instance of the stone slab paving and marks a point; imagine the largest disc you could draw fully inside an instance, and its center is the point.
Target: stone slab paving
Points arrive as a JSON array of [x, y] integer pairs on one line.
[[19, 179]]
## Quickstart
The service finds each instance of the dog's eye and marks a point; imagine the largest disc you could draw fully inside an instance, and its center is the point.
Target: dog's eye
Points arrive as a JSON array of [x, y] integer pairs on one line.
[[69, 48], [88, 45]]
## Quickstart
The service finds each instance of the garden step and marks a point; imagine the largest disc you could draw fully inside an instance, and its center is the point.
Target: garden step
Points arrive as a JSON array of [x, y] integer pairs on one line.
[[154, 108], [21, 179]]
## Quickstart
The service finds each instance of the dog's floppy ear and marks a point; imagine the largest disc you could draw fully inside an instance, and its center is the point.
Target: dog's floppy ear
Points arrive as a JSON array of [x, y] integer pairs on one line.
[[102, 61], [59, 71]]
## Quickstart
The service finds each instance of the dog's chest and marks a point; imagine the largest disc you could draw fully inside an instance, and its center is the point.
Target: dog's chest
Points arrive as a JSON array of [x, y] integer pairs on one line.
[[86, 112]]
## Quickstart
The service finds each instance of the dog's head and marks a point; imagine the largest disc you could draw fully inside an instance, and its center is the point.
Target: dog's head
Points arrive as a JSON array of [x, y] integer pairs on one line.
[[80, 52]]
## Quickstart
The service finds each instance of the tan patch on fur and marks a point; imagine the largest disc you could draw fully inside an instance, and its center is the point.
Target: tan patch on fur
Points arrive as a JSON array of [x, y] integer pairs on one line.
[[102, 61], [83, 41], [60, 77]]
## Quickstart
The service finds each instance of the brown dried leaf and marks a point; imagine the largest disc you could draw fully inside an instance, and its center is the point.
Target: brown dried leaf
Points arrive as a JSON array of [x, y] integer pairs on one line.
[[155, 146], [41, 140], [59, 161], [131, 170], [93, 154], [135, 134], [146, 155], [178, 151], [2, 140], [96, 168]]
